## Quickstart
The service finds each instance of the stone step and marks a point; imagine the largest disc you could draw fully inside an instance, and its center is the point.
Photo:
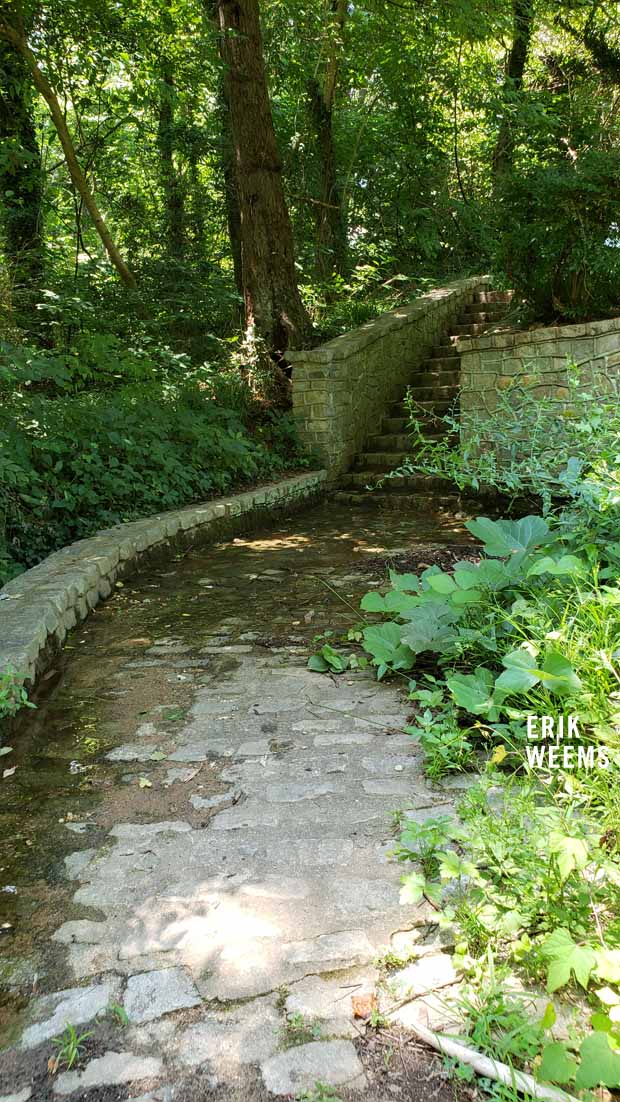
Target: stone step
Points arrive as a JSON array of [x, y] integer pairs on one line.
[[393, 497], [399, 425], [435, 379], [471, 329], [440, 393], [429, 408], [415, 482], [379, 461], [401, 442], [484, 311], [441, 365], [388, 442], [493, 296]]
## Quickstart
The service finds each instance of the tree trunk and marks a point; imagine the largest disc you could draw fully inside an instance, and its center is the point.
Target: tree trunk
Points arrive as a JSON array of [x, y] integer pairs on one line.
[[274, 313], [18, 40], [21, 182], [331, 234], [523, 20], [231, 194], [172, 187]]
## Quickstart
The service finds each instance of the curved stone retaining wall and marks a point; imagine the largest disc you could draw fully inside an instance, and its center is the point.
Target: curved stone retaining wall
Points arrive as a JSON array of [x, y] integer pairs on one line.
[[536, 360], [342, 389], [39, 607]]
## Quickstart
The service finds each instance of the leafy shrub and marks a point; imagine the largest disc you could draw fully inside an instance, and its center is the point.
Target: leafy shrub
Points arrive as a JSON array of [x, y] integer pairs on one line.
[[559, 236], [71, 465]]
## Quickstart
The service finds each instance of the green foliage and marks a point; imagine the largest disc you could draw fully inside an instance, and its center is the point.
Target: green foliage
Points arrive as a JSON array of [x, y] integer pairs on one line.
[[13, 695], [72, 464], [69, 1046]]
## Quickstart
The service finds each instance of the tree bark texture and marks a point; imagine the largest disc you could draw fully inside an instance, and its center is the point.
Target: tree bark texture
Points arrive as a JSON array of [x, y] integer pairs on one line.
[[17, 39], [523, 21], [21, 177], [331, 234], [273, 308]]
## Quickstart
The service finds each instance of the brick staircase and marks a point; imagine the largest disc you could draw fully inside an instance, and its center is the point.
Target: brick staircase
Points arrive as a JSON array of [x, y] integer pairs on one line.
[[435, 387]]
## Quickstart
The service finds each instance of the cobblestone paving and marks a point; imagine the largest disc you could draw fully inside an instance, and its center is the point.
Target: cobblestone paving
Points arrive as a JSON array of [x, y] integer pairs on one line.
[[229, 882]]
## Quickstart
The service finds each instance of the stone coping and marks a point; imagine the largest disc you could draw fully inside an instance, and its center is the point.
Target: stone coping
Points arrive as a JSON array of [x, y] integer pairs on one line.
[[538, 336], [352, 342], [40, 606]]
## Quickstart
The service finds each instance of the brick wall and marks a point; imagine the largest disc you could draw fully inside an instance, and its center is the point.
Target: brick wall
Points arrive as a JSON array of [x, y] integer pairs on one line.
[[536, 360], [342, 389]]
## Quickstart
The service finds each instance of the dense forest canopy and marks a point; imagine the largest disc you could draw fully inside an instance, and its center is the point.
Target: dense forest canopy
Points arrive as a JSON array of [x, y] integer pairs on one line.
[[422, 138], [190, 187]]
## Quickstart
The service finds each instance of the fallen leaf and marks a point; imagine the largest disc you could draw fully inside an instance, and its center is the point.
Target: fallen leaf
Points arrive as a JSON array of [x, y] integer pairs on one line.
[[52, 1065], [144, 783], [8, 772], [5, 750], [363, 1005]]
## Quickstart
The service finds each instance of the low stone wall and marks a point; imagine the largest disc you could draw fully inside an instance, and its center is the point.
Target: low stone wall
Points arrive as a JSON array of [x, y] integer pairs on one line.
[[341, 389], [39, 608], [537, 360]]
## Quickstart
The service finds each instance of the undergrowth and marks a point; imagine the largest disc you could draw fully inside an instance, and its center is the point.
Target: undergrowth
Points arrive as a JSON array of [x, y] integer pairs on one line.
[[512, 667]]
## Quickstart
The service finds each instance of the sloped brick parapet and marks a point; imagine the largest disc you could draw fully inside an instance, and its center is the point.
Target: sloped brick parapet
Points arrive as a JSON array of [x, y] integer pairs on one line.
[[39, 608], [342, 389], [536, 361]]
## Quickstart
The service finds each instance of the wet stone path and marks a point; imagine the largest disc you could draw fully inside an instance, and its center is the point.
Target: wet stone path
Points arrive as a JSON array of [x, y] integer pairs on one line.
[[198, 831]]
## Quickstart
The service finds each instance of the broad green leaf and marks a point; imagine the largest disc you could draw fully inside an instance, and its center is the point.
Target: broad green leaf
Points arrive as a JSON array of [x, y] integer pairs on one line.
[[317, 664], [557, 1066], [570, 853], [599, 1064], [408, 582], [520, 674], [566, 565], [431, 629], [404, 603], [383, 642], [608, 965], [567, 958], [373, 602], [413, 886], [503, 537], [442, 583], [549, 1018], [473, 691], [466, 597], [558, 675]]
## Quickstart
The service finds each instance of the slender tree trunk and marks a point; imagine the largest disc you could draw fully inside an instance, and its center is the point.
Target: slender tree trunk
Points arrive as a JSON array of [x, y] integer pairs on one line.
[[17, 39], [331, 234], [523, 21], [231, 193], [172, 186], [21, 181], [273, 308]]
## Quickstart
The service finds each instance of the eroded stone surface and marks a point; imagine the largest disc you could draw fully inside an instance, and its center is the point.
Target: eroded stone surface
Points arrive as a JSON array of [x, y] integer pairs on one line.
[[297, 1069], [248, 1034], [149, 995], [109, 1070], [75, 1005]]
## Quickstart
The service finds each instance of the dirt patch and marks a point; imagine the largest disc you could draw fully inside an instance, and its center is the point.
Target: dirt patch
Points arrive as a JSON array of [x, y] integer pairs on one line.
[[419, 558], [398, 1066]]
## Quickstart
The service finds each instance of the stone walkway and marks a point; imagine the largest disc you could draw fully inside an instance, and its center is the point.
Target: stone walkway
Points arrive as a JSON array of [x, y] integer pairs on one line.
[[236, 934]]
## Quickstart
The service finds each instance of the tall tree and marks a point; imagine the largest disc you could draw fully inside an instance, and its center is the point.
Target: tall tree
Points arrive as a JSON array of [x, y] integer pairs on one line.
[[13, 32], [171, 182], [523, 21], [331, 235], [274, 312], [20, 170]]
